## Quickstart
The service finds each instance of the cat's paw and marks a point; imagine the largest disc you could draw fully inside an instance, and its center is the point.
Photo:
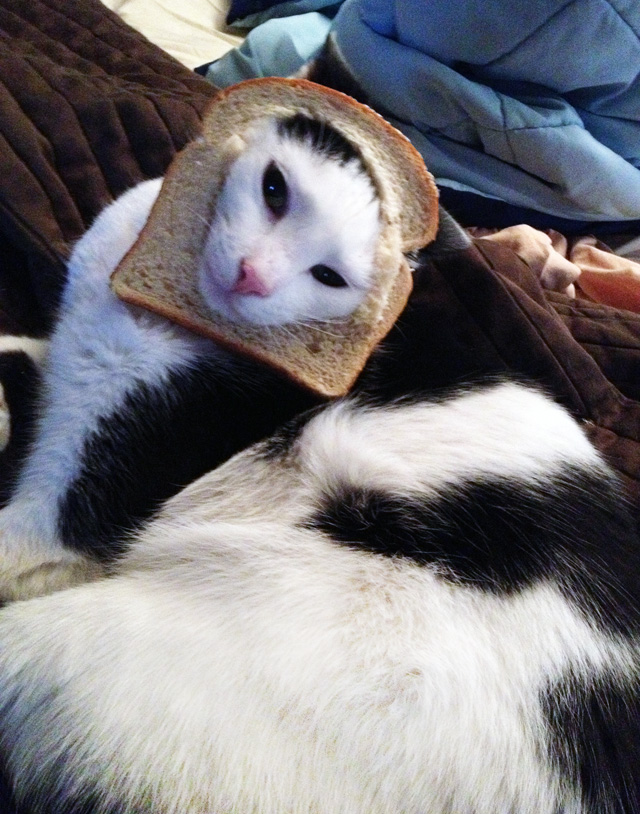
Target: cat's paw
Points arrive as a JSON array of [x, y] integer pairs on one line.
[[25, 576]]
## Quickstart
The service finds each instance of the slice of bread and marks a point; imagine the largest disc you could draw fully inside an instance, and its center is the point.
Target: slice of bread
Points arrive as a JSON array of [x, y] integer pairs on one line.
[[160, 271]]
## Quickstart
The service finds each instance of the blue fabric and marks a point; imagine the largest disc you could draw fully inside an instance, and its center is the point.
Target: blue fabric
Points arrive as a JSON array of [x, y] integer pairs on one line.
[[275, 48], [536, 104]]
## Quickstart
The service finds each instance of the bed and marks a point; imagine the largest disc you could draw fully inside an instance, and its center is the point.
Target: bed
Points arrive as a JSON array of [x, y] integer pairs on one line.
[[90, 105], [194, 32]]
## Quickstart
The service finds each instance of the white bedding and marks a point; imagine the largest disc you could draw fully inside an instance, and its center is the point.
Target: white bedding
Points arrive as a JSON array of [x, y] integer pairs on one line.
[[193, 31]]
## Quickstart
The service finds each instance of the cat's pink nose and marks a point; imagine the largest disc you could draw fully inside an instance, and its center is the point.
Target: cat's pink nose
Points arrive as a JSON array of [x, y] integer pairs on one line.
[[250, 281]]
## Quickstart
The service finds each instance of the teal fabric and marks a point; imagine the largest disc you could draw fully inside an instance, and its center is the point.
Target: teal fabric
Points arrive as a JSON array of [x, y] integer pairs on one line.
[[277, 47]]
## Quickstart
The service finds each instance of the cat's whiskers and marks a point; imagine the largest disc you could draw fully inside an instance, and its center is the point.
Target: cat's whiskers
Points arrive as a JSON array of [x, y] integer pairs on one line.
[[315, 324], [285, 329], [198, 215]]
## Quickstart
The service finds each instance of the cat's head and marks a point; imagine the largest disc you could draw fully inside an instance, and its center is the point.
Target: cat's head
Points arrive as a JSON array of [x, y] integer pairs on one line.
[[295, 230]]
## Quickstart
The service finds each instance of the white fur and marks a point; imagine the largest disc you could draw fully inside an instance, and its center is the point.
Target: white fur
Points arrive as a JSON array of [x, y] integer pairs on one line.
[[102, 348], [239, 662], [98, 351], [332, 219], [506, 431], [36, 349]]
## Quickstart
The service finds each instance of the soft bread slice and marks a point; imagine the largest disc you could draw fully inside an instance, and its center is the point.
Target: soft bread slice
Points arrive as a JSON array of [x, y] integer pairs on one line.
[[160, 271]]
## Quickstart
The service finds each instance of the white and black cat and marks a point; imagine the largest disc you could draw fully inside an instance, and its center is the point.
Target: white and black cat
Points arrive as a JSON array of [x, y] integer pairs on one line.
[[425, 605], [133, 407], [430, 606]]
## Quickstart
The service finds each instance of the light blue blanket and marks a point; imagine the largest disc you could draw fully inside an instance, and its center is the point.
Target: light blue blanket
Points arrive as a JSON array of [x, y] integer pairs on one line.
[[536, 104]]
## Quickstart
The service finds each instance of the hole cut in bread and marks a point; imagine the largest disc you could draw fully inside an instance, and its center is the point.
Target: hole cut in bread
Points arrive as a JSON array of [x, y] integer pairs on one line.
[[160, 272]]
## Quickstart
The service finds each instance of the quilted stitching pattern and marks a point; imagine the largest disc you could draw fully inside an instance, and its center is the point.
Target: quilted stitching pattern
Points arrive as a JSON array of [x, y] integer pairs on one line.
[[88, 107]]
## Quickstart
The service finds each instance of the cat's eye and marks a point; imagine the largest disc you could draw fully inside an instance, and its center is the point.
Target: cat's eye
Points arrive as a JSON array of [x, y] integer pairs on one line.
[[274, 190], [327, 276]]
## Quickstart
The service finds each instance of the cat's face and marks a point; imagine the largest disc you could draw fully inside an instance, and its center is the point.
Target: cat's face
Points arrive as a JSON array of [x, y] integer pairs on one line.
[[294, 234]]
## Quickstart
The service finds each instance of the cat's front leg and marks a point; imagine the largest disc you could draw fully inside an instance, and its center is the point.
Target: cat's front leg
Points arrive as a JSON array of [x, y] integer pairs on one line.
[[29, 569], [84, 377], [31, 560], [28, 566]]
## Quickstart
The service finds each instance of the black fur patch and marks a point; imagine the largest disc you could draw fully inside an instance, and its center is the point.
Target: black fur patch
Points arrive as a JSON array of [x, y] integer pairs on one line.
[[89, 803], [48, 792], [330, 69], [596, 743], [7, 801], [281, 443], [321, 136], [161, 440], [501, 536], [20, 380], [49, 796]]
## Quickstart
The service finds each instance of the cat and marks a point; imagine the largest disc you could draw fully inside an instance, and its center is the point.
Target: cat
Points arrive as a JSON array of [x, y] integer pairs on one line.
[[389, 606], [431, 605], [134, 407]]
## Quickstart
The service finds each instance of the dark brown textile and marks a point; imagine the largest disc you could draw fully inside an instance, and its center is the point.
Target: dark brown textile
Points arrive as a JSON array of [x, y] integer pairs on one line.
[[610, 335], [88, 108]]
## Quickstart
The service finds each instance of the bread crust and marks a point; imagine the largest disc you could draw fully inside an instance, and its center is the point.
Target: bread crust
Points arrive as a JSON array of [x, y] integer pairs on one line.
[[160, 271]]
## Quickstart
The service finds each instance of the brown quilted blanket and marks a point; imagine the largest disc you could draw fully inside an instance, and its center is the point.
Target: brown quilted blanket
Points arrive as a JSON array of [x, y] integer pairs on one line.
[[88, 107]]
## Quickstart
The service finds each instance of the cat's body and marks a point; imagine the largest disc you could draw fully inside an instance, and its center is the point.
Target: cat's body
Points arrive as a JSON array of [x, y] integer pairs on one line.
[[126, 392], [426, 607]]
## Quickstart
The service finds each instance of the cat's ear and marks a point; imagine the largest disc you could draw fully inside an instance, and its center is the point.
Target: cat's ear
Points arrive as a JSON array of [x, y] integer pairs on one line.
[[232, 148]]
